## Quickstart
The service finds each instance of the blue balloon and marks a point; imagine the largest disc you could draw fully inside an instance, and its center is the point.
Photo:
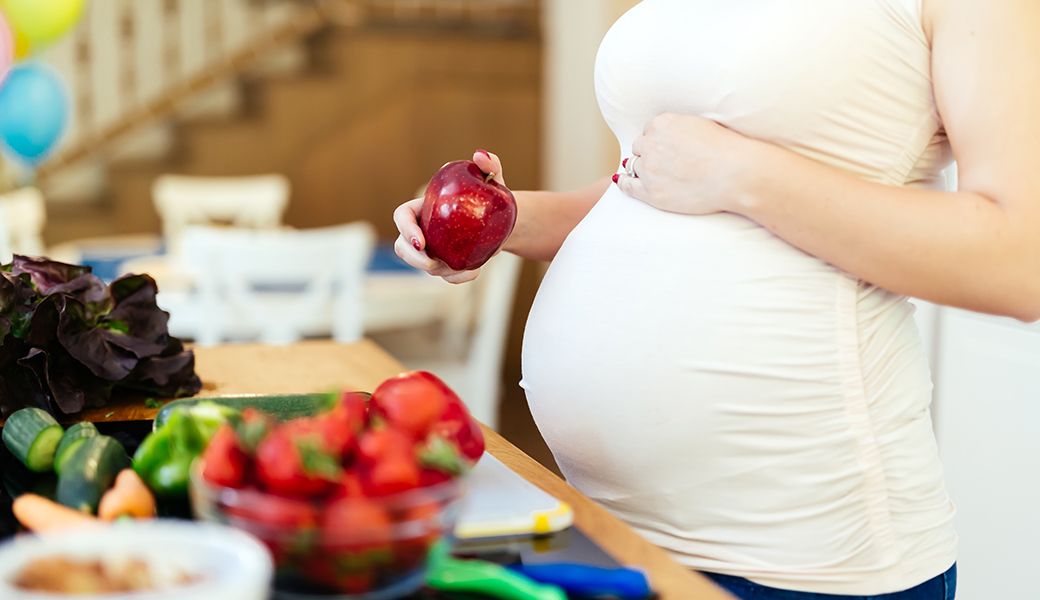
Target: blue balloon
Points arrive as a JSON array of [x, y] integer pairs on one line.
[[34, 110]]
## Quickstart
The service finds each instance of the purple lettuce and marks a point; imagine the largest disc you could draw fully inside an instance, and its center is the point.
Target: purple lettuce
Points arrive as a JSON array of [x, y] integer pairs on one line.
[[68, 341]]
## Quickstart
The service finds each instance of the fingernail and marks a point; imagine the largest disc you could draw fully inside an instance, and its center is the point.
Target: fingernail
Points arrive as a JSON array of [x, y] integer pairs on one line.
[[415, 243], [615, 177], [624, 163], [484, 152]]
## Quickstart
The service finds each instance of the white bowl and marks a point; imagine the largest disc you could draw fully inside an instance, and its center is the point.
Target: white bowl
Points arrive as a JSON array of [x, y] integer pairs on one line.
[[230, 564]]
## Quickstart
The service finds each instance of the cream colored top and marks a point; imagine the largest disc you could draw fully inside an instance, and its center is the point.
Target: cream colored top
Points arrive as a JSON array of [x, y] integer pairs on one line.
[[751, 408]]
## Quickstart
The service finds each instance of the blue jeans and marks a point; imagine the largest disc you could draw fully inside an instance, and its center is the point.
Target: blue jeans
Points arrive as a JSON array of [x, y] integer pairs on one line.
[[940, 587]]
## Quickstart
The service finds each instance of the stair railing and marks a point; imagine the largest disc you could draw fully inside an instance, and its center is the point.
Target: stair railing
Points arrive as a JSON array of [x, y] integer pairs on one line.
[[133, 63]]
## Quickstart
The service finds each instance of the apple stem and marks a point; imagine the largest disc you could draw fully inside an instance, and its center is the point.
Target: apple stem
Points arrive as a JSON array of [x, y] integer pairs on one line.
[[489, 177]]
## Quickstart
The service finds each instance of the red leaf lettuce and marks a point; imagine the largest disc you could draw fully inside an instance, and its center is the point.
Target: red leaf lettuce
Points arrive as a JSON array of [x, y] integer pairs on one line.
[[68, 341]]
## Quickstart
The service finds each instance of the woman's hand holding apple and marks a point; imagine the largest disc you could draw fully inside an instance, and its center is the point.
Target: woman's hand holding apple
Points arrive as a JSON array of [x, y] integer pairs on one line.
[[413, 243]]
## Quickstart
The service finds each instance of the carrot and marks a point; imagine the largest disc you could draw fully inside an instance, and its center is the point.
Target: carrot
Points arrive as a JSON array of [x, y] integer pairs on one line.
[[39, 514], [128, 497]]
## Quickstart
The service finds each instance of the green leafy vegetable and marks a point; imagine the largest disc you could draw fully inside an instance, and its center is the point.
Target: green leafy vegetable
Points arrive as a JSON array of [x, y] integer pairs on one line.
[[68, 341]]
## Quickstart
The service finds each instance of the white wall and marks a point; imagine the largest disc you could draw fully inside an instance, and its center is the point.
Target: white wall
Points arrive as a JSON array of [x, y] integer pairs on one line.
[[988, 427], [987, 420], [578, 146]]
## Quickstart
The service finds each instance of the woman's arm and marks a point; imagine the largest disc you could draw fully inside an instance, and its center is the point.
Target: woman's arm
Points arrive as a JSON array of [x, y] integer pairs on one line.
[[977, 248], [545, 219]]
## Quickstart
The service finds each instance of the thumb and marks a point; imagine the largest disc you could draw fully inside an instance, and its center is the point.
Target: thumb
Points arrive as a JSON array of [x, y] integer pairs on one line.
[[632, 186], [489, 163]]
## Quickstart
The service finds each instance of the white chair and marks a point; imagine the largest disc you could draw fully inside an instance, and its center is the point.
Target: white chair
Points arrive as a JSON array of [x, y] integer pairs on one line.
[[476, 373], [23, 215], [274, 286], [256, 202]]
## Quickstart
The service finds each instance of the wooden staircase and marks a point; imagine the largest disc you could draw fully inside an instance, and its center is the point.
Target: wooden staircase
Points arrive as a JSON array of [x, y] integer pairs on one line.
[[379, 103]]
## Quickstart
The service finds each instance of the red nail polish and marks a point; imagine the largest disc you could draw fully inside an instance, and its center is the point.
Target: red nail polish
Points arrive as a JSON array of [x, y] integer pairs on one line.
[[415, 244], [624, 163], [484, 152], [615, 177]]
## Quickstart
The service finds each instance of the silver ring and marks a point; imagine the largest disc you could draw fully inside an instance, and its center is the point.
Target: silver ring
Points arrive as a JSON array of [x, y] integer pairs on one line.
[[630, 167]]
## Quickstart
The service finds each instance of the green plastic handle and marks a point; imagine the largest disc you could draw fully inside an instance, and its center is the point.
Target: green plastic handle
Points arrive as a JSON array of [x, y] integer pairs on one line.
[[477, 576]]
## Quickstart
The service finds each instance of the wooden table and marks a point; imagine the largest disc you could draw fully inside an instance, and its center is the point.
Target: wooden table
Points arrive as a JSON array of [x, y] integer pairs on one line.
[[321, 366]]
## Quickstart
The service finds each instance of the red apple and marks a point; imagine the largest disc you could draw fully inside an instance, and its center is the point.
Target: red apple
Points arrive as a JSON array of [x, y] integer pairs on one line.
[[466, 215]]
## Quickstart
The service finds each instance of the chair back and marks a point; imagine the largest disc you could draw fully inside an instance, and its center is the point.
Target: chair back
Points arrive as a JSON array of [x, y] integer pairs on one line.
[[278, 286], [256, 202], [22, 218], [494, 291]]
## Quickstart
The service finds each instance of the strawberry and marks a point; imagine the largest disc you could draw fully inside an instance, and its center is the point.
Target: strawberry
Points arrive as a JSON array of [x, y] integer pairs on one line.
[[285, 525], [393, 474], [351, 411], [387, 460], [440, 454], [411, 401], [424, 520], [348, 486], [430, 477], [357, 532], [340, 426], [292, 462], [274, 512], [376, 444], [420, 404], [224, 461], [324, 432], [462, 430]]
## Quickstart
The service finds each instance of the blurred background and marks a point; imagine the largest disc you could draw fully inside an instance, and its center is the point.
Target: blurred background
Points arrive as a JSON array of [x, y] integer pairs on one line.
[[248, 155], [304, 123]]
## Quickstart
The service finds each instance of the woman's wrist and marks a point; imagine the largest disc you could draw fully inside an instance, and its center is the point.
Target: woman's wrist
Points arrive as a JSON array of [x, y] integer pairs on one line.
[[515, 242], [754, 162], [544, 219]]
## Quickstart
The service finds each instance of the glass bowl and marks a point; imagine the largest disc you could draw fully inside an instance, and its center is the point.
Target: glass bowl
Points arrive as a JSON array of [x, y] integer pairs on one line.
[[353, 548]]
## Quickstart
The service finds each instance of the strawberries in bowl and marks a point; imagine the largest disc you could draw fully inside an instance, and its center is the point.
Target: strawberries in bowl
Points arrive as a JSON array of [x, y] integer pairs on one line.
[[350, 500]]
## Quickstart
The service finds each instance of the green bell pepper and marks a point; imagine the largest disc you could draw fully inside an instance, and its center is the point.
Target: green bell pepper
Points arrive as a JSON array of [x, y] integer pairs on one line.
[[164, 458]]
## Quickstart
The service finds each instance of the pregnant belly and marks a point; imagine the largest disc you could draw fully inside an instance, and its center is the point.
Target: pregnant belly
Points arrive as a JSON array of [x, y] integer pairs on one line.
[[671, 361]]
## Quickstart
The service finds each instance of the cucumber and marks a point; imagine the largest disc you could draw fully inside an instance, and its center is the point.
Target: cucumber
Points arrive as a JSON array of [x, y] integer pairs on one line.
[[282, 407], [32, 435], [90, 471], [71, 441]]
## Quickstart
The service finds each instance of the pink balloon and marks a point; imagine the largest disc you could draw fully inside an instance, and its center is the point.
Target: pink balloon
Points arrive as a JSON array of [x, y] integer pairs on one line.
[[6, 47]]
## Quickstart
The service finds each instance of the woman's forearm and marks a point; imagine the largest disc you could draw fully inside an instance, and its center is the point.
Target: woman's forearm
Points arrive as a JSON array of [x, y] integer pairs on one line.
[[545, 219], [957, 248]]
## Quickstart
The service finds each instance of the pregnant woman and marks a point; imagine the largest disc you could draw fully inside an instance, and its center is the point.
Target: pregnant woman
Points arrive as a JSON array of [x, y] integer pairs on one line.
[[722, 352]]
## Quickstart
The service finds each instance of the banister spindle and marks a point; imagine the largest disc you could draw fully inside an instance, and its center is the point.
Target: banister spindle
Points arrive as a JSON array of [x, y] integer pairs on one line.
[[83, 88], [171, 40], [214, 29], [127, 52]]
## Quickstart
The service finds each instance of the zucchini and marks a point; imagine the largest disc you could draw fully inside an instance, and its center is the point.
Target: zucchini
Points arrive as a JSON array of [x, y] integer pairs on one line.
[[90, 471], [282, 407], [32, 435], [71, 441]]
